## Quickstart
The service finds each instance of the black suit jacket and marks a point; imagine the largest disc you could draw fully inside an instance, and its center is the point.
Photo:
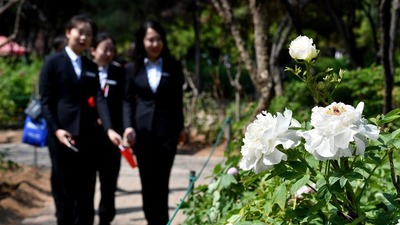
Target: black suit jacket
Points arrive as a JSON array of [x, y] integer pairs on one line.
[[66, 99], [159, 113], [115, 93]]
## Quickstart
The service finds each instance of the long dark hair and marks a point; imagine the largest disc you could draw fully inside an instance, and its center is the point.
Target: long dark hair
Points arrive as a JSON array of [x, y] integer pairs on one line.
[[140, 51]]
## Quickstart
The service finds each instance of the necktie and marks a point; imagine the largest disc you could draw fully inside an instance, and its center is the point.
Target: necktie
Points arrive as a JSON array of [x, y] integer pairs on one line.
[[78, 67]]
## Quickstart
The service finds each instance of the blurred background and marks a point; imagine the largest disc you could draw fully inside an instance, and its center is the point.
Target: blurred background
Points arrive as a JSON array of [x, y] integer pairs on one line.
[[234, 52]]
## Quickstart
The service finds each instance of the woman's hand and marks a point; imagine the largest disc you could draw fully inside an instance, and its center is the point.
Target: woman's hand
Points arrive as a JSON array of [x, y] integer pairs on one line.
[[129, 136], [115, 138], [64, 137]]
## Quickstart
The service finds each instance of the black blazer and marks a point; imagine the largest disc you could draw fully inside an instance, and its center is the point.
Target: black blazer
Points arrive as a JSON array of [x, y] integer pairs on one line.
[[159, 113], [115, 93], [66, 99]]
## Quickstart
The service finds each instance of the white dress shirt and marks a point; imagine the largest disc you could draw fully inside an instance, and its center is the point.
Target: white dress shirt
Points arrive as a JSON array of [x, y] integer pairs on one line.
[[76, 61], [153, 70], [103, 71]]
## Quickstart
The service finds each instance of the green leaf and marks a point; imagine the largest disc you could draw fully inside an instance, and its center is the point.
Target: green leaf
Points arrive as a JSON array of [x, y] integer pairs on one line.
[[323, 193], [317, 207], [395, 134], [298, 166], [280, 195], [391, 116], [299, 183], [357, 221], [354, 176], [321, 182], [227, 180], [385, 137], [217, 169], [333, 179], [393, 113], [394, 142], [277, 170], [249, 180], [216, 196], [214, 185], [343, 181], [392, 199], [291, 175], [235, 218]]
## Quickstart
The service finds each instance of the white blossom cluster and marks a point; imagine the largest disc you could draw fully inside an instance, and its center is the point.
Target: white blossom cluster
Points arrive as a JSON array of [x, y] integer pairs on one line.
[[338, 131], [264, 135]]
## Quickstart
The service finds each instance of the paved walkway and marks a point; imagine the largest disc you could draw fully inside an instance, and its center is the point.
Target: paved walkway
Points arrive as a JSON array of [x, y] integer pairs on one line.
[[128, 198]]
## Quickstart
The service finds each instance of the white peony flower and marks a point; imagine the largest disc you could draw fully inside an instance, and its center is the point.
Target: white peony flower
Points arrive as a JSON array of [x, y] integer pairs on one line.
[[302, 48], [262, 137], [336, 127]]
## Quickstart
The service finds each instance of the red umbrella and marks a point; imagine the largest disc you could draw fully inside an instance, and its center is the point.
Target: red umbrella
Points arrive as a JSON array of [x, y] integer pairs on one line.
[[127, 153], [11, 48]]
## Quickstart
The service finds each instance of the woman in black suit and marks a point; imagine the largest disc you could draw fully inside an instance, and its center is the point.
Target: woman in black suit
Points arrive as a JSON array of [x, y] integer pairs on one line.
[[108, 157], [71, 101], [153, 116]]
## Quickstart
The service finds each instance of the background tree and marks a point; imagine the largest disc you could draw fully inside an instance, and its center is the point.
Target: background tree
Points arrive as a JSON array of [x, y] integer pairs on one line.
[[258, 73], [389, 15], [8, 6]]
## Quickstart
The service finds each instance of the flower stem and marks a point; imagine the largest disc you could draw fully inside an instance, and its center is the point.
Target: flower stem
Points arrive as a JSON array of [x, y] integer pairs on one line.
[[395, 179], [369, 177]]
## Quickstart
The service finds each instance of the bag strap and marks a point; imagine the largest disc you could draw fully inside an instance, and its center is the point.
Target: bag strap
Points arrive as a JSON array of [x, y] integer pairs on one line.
[[35, 89]]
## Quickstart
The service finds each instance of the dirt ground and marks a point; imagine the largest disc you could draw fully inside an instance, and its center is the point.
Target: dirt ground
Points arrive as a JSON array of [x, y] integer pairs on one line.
[[25, 191]]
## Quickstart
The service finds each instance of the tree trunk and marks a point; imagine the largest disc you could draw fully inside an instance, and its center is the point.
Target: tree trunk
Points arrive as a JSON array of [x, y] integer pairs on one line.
[[224, 10], [367, 10], [196, 19], [392, 48], [260, 76], [264, 83], [346, 31], [279, 40], [4, 8], [384, 11]]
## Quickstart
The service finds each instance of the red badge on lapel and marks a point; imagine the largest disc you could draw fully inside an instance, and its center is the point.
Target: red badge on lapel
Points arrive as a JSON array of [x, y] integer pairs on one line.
[[91, 102]]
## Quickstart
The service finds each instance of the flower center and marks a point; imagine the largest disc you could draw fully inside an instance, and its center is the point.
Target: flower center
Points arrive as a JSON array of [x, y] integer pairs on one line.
[[336, 110]]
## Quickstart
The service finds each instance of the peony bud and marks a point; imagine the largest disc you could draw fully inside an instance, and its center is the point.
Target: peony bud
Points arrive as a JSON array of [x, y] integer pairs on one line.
[[302, 48], [232, 171]]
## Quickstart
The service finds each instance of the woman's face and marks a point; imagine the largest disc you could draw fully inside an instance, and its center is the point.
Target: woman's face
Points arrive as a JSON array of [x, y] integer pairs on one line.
[[80, 37], [104, 53], [153, 44]]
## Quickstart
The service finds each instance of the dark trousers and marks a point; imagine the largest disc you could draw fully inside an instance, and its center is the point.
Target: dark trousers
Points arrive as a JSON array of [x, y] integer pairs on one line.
[[108, 163], [72, 181], [155, 158]]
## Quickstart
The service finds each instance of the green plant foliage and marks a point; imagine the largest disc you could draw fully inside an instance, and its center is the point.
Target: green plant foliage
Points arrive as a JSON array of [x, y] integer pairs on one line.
[[362, 189], [16, 85], [366, 85], [180, 38], [208, 118]]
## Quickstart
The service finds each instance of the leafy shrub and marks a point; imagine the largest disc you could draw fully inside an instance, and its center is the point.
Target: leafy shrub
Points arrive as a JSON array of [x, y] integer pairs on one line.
[[349, 190], [16, 85]]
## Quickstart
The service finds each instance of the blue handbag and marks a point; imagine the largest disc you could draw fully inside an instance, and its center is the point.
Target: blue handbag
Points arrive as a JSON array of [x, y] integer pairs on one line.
[[35, 132]]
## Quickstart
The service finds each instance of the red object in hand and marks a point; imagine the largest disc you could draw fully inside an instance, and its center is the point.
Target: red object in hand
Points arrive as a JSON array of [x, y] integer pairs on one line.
[[91, 102], [127, 153]]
